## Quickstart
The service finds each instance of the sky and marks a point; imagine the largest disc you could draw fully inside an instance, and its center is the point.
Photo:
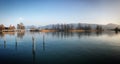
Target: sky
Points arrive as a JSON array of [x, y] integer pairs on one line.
[[44, 12]]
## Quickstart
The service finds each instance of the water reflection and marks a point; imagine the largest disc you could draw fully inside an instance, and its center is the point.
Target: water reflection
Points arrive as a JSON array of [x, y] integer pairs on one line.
[[2, 35], [80, 34], [32, 40], [116, 32], [99, 33], [16, 41], [33, 49], [20, 35], [4, 42], [72, 34], [43, 42]]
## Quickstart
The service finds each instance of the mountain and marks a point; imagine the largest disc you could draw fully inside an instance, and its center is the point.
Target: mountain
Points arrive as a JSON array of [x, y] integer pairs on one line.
[[111, 26]]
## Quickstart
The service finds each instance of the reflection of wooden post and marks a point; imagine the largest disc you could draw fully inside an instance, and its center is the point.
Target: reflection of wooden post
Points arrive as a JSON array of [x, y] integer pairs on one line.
[[33, 44], [16, 43], [4, 42], [43, 43], [33, 49]]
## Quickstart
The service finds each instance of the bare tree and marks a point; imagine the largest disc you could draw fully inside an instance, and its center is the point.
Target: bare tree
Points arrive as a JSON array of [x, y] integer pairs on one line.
[[79, 26], [2, 27], [99, 28]]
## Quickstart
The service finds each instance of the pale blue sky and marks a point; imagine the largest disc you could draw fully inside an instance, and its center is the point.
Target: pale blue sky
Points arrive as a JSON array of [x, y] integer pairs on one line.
[[44, 12]]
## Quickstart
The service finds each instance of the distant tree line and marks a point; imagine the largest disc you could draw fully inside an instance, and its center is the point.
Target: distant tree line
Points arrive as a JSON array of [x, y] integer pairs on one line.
[[99, 28], [67, 27], [62, 27], [86, 27]]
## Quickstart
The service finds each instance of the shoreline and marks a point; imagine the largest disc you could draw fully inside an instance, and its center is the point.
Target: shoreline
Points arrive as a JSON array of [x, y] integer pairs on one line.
[[51, 30]]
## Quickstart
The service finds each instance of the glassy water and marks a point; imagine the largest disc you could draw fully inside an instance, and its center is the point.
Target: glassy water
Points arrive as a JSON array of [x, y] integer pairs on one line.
[[59, 48]]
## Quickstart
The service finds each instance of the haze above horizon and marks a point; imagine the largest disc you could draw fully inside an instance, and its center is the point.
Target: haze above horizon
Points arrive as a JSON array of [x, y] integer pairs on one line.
[[44, 12]]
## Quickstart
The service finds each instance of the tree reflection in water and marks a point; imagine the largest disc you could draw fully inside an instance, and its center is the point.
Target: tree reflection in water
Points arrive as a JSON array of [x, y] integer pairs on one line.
[[34, 41], [71, 34]]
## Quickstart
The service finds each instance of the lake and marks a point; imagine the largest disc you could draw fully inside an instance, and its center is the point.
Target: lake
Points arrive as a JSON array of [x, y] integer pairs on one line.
[[60, 48]]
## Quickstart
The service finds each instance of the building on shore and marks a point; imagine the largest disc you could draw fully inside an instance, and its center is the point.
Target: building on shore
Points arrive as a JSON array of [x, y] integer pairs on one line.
[[11, 28], [20, 27]]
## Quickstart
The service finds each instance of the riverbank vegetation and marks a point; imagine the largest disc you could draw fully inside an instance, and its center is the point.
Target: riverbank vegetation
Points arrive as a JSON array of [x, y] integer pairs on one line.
[[57, 28]]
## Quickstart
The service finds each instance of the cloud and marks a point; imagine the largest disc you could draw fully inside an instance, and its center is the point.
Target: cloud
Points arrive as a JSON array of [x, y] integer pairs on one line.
[[20, 19]]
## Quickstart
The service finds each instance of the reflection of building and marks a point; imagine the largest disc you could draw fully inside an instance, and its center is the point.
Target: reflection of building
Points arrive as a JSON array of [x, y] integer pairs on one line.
[[2, 35], [20, 34]]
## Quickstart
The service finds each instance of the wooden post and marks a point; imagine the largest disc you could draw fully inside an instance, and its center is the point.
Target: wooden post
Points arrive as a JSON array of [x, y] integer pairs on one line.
[[4, 42]]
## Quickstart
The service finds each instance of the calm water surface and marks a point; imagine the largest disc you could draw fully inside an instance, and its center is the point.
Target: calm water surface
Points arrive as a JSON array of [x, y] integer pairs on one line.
[[59, 48]]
